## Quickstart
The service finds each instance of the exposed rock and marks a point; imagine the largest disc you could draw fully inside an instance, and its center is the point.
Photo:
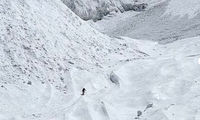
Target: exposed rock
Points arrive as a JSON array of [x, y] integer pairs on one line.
[[114, 79], [97, 9], [135, 7], [29, 83]]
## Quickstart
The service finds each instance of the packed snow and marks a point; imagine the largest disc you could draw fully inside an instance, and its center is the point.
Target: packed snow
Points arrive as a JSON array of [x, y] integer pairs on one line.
[[48, 55]]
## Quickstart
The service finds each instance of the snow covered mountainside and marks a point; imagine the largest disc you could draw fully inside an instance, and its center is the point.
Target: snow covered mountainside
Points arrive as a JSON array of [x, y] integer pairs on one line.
[[97, 9], [169, 21], [93, 9], [48, 55]]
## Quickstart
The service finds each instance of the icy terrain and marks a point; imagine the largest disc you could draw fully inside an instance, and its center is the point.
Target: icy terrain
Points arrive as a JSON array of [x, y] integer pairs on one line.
[[163, 87], [168, 21], [48, 54]]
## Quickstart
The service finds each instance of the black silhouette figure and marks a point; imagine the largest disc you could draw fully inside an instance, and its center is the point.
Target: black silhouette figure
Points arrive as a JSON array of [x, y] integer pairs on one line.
[[83, 91]]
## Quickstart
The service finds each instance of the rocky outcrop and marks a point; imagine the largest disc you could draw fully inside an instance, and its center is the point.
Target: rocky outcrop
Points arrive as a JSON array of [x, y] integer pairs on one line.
[[97, 9], [135, 7]]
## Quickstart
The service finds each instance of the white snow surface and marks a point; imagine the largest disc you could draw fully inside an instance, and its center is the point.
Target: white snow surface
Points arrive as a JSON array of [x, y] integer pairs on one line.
[[165, 21], [183, 7], [48, 54], [169, 80]]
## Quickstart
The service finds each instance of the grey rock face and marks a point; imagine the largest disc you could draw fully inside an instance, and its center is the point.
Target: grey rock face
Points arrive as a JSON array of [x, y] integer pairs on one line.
[[114, 79], [135, 7], [97, 9]]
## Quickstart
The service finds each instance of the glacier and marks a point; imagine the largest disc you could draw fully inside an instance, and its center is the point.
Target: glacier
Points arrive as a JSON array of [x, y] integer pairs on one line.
[[48, 54]]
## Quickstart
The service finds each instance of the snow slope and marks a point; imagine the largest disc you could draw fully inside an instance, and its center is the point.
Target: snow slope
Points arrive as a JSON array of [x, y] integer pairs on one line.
[[169, 21], [48, 55], [181, 8], [163, 87]]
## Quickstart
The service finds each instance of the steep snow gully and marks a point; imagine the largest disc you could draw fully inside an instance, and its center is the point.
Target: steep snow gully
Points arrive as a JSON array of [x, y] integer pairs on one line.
[[48, 54]]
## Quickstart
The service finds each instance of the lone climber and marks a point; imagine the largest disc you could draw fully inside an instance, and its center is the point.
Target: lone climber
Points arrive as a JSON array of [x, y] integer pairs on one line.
[[83, 91]]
